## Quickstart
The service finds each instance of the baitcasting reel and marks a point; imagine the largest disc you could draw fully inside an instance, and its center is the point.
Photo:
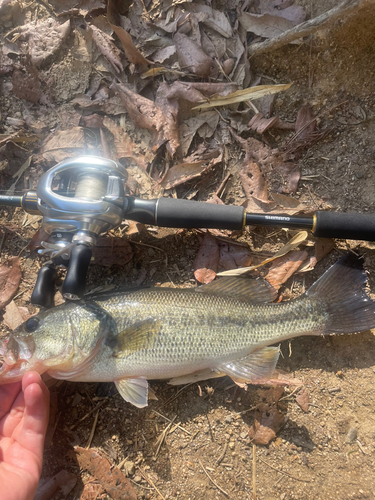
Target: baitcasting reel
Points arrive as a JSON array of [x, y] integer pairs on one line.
[[79, 199], [83, 197]]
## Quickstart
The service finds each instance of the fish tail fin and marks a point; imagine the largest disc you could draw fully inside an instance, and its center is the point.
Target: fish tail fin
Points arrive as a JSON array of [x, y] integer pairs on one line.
[[343, 287]]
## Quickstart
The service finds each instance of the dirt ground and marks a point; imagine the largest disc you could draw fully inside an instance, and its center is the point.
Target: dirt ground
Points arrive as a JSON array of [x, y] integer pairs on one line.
[[325, 453]]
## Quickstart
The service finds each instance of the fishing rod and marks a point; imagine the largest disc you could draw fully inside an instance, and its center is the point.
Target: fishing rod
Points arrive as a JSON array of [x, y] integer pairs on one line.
[[81, 198]]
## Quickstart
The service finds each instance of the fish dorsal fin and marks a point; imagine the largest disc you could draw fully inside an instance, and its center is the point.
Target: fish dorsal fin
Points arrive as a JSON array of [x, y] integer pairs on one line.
[[250, 289], [254, 368], [134, 391], [138, 336]]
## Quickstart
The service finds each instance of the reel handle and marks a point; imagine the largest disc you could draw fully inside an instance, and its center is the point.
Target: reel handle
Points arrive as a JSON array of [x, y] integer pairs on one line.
[[75, 280], [44, 289]]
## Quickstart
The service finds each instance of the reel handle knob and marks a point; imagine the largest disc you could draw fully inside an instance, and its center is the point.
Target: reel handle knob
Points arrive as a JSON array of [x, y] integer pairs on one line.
[[44, 290], [74, 285]]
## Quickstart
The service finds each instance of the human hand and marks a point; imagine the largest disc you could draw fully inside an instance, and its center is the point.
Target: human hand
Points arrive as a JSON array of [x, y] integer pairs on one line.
[[24, 410]]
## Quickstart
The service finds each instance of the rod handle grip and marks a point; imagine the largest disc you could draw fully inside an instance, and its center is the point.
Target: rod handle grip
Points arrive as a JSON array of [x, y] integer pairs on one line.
[[194, 214], [349, 226]]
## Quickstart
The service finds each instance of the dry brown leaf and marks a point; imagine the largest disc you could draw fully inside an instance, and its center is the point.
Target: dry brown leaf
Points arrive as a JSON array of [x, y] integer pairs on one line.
[[291, 245], [183, 172], [204, 123], [260, 124], [265, 25], [143, 112], [131, 52], [169, 110], [14, 316], [305, 122], [233, 256], [106, 46], [287, 202], [248, 94], [63, 480], [322, 247], [214, 19], [191, 56], [44, 39], [267, 422], [125, 147], [10, 277], [110, 251], [92, 121], [253, 181], [36, 240], [282, 8], [207, 260], [111, 478], [63, 144], [272, 160], [283, 268], [303, 399], [198, 91]]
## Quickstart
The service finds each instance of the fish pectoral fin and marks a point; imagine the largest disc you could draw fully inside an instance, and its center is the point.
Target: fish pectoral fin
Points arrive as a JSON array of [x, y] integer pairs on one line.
[[196, 377], [254, 368], [138, 336], [252, 290], [133, 390]]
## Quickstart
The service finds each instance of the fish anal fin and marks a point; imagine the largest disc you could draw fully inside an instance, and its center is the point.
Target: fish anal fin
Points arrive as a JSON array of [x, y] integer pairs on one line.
[[196, 377], [254, 368], [138, 336], [249, 289], [133, 390]]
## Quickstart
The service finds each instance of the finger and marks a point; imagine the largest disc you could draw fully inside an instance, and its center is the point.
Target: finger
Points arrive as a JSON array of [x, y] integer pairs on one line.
[[8, 394], [32, 432], [10, 421]]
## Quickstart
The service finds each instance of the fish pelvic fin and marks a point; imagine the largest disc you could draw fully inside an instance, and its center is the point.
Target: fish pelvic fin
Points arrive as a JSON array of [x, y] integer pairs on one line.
[[255, 368], [343, 289], [133, 390]]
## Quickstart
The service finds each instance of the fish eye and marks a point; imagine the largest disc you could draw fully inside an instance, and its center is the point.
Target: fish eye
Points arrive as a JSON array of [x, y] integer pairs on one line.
[[32, 324]]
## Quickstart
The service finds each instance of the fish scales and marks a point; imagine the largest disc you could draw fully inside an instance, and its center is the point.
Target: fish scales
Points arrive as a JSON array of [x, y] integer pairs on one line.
[[195, 328], [227, 327]]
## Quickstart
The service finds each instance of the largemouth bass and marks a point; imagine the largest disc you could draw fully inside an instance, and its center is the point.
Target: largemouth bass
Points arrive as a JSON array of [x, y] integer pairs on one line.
[[224, 328]]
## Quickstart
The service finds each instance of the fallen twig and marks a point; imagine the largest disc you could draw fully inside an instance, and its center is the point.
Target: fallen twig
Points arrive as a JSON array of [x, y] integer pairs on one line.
[[212, 481], [285, 473], [342, 11]]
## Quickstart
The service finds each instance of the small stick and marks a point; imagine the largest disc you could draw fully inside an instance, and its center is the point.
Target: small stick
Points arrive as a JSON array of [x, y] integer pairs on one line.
[[89, 413], [341, 11], [152, 246], [92, 431], [150, 482], [162, 437], [254, 472], [223, 453], [212, 481], [286, 473], [222, 185]]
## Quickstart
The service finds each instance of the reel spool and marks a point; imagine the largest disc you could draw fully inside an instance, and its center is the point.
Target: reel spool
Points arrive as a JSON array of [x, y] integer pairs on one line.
[[79, 199]]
